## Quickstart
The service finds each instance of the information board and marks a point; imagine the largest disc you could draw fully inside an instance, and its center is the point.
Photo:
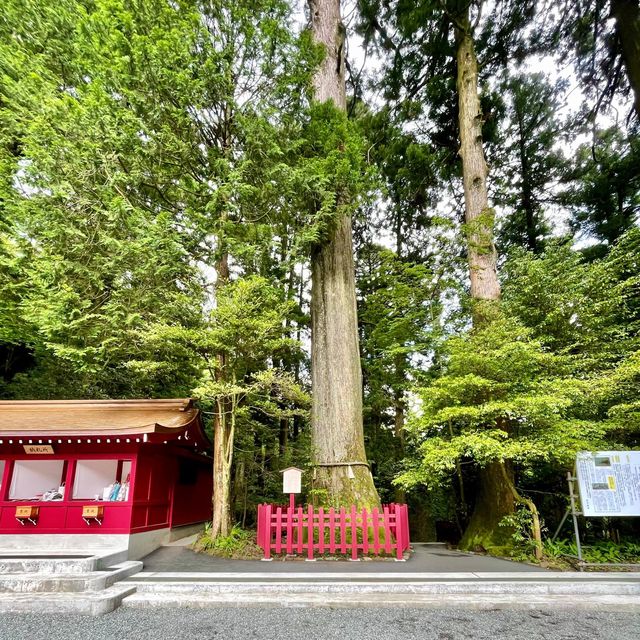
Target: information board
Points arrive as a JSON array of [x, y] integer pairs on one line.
[[609, 482]]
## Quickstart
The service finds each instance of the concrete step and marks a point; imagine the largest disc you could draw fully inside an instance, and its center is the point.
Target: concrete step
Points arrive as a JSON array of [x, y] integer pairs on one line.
[[360, 587], [89, 603], [57, 581], [616, 603], [49, 565], [24, 562]]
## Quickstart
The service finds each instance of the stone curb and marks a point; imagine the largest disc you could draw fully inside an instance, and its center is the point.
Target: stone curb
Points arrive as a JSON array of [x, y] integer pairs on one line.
[[88, 603], [457, 601]]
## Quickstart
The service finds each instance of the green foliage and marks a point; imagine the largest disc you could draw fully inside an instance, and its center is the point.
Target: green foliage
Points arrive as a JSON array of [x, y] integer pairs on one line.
[[600, 551], [240, 544], [500, 396], [589, 313], [331, 177], [527, 159], [605, 197], [154, 135], [523, 546], [141, 142]]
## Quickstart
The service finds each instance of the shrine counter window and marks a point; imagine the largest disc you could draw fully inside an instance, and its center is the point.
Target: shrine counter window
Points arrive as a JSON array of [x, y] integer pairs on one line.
[[37, 480], [104, 480]]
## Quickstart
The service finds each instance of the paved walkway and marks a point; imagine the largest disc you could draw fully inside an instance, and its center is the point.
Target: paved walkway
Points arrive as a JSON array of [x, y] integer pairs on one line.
[[426, 558]]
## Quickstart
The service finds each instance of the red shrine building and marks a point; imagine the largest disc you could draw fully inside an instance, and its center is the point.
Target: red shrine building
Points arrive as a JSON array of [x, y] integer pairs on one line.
[[101, 475]]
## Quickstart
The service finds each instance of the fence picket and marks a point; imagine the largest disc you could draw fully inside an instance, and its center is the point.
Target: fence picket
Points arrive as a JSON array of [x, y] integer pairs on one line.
[[300, 529], [405, 511], [310, 544], [332, 530], [399, 536], [320, 530], [365, 532], [289, 522], [343, 530], [387, 529], [375, 521], [267, 531], [259, 526], [278, 547], [354, 533]]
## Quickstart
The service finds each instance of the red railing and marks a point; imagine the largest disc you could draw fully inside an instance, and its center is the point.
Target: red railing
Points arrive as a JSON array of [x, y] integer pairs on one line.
[[345, 532]]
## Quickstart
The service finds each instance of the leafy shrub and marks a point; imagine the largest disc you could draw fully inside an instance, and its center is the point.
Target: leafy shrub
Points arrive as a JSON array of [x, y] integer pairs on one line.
[[522, 543], [240, 544], [601, 551]]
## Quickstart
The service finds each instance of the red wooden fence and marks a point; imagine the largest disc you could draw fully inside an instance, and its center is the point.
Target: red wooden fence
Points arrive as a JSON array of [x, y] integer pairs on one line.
[[347, 531]]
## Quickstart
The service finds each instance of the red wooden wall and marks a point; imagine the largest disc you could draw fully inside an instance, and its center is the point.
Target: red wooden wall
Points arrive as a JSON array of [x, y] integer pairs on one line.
[[156, 497]]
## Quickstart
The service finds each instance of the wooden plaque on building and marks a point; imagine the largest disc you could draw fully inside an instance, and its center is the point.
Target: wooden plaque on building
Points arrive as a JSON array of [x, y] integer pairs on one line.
[[92, 511], [38, 448], [27, 512]]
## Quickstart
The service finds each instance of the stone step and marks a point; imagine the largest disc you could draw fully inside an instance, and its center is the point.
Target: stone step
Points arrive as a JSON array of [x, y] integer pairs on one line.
[[24, 562], [615, 603], [283, 589], [67, 582], [48, 565], [88, 603]]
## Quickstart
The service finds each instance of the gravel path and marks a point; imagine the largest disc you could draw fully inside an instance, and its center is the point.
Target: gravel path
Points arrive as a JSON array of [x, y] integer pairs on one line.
[[314, 623]]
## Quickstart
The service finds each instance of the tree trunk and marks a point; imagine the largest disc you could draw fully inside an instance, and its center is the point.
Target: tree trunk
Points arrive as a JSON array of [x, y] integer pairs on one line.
[[527, 203], [627, 17], [283, 436], [399, 405], [485, 287], [221, 523], [494, 500], [336, 413]]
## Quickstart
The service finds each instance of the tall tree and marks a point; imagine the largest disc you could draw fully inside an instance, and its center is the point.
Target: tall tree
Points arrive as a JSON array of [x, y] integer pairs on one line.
[[602, 189], [494, 500], [336, 414], [528, 163], [432, 51]]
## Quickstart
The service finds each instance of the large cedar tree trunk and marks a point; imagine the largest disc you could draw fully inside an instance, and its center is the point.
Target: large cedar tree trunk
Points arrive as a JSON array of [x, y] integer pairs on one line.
[[627, 17], [336, 413], [494, 499]]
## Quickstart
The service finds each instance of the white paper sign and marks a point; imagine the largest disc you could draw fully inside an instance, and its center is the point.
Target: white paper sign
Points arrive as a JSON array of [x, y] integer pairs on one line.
[[292, 480], [609, 482]]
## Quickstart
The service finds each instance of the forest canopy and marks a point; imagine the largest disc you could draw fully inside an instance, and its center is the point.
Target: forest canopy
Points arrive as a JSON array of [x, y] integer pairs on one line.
[[433, 213]]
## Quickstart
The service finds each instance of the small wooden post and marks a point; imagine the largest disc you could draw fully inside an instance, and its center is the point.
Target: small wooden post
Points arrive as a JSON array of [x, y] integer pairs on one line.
[[278, 548], [267, 532], [387, 529]]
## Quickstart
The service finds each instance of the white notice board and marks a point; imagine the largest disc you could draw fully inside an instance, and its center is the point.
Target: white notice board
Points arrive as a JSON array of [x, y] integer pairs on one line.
[[609, 482]]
